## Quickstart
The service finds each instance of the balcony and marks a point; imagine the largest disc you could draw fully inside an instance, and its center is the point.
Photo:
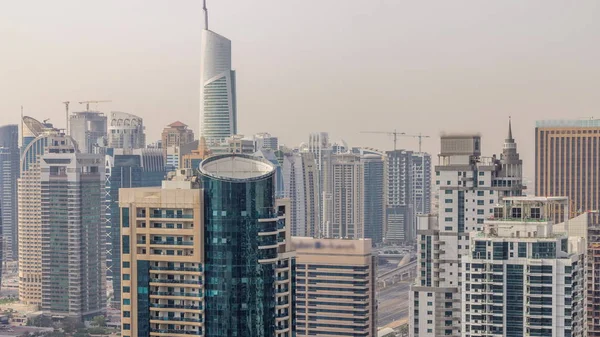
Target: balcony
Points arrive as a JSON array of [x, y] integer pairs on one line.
[[175, 294], [171, 332], [199, 269], [177, 319], [175, 306], [159, 280], [171, 243]]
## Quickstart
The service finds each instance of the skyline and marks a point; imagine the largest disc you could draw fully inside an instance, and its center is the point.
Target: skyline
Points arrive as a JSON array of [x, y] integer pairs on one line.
[[447, 67]]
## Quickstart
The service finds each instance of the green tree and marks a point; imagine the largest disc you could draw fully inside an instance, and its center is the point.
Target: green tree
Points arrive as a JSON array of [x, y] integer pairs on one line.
[[99, 321], [40, 321], [70, 324]]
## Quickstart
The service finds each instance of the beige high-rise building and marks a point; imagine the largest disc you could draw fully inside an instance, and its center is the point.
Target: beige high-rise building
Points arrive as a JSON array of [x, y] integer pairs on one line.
[[567, 160], [176, 134], [343, 196], [335, 287], [29, 207]]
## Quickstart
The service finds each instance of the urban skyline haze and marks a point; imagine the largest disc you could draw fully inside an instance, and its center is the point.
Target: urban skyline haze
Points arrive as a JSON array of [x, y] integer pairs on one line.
[[341, 67]]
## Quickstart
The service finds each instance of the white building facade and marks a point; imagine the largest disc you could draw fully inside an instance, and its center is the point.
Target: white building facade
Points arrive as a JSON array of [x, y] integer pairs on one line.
[[300, 176], [125, 131], [218, 112], [468, 191], [521, 278], [343, 203]]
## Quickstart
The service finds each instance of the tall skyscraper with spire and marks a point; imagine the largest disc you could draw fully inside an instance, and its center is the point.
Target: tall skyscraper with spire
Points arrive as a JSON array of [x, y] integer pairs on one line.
[[218, 113], [509, 177]]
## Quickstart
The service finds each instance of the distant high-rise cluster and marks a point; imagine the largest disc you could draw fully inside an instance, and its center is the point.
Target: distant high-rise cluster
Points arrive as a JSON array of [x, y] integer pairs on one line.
[[219, 234]]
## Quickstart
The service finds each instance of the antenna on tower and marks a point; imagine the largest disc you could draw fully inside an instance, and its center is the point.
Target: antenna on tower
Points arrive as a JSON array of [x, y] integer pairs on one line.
[[205, 15], [21, 125]]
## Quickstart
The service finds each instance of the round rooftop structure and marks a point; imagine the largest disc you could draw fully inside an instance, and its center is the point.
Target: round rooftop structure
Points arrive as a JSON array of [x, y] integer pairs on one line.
[[32, 127], [236, 167]]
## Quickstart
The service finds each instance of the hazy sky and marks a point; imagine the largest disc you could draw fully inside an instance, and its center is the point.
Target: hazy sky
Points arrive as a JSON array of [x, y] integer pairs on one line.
[[341, 66]]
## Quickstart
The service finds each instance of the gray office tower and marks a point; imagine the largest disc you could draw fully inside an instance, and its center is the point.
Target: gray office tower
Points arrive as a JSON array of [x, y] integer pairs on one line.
[[409, 193], [9, 173], [72, 232], [126, 169], [89, 130], [374, 197]]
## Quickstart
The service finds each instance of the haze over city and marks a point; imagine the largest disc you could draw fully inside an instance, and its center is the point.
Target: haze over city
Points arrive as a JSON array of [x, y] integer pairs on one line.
[[307, 66]]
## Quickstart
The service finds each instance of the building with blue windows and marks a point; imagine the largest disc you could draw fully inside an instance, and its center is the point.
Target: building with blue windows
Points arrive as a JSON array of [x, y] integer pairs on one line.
[[9, 173], [125, 169], [209, 254]]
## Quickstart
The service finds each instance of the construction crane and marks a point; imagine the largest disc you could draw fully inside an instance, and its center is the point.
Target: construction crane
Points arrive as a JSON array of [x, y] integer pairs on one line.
[[87, 103], [420, 136], [394, 133], [66, 103]]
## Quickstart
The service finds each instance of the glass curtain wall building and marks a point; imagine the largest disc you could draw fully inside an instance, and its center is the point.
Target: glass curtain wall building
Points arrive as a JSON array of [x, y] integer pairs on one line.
[[209, 254], [240, 245], [9, 173], [125, 169]]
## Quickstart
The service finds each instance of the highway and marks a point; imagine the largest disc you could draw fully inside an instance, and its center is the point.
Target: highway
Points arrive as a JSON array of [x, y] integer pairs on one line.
[[393, 303]]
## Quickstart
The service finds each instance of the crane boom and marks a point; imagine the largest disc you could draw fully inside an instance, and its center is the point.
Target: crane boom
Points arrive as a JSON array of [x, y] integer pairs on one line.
[[394, 133], [420, 136], [87, 103]]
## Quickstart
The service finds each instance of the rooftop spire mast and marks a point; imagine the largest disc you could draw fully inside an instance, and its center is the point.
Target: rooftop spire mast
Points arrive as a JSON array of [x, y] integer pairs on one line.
[[205, 15]]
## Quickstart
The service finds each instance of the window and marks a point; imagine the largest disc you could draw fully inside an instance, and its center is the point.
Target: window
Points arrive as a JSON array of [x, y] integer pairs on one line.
[[448, 210], [125, 217], [480, 212], [480, 203], [429, 303], [437, 173], [126, 264], [480, 221], [126, 326], [126, 301], [448, 182], [516, 212], [522, 249], [448, 191], [481, 173], [125, 248], [126, 289], [448, 201], [437, 182], [480, 193], [448, 219], [536, 213], [126, 277], [126, 313]]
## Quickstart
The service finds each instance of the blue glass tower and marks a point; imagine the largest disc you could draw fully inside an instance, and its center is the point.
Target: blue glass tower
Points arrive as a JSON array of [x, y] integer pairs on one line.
[[9, 173], [241, 240], [138, 168]]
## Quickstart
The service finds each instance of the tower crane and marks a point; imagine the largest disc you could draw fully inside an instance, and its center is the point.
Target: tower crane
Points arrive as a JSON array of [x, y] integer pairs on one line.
[[87, 103], [420, 136], [66, 103], [397, 134], [394, 133]]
